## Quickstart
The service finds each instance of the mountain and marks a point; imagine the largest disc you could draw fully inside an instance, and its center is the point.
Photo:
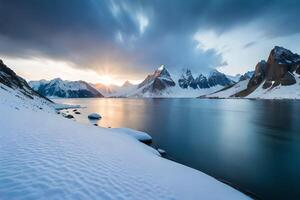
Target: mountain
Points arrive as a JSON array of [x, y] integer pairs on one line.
[[156, 82], [106, 90], [187, 80], [65, 89], [127, 84], [162, 84], [246, 76], [278, 77], [16, 92], [217, 78], [201, 82]]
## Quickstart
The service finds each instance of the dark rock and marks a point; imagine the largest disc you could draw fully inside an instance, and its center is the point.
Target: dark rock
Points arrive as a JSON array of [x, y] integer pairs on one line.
[[267, 84], [94, 116], [246, 76], [279, 69], [187, 80], [77, 113], [69, 116], [9, 78], [288, 79], [298, 70], [95, 124], [218, 78]]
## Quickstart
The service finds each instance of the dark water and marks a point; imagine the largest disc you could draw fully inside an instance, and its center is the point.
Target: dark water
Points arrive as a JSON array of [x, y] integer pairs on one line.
[[252, 144]]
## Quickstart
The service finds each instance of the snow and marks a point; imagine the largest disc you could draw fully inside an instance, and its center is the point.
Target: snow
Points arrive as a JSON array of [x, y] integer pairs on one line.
[[227, 93], [45, 156], [278, 92], [94, 116], [139, 135], [162, 67], [15, 99]]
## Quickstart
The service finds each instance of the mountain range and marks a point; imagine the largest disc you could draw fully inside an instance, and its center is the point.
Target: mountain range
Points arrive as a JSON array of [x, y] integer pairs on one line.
[[277, 77], [159, 84]]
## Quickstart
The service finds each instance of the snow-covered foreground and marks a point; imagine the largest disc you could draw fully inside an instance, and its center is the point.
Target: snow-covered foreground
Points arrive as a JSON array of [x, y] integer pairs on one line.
[[45, 156]]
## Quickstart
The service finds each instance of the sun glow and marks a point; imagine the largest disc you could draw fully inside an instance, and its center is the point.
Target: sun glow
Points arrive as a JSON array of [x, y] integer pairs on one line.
[[106, 79]]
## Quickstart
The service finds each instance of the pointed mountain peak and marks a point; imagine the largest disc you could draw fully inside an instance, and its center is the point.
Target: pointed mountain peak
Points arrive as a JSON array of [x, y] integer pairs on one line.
[[127, 84], [282, 55], [161, 68]]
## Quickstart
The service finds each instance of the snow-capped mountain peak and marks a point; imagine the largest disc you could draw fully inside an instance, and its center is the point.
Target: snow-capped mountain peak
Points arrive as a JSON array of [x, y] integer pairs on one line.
[[65, 89], [281, 55]]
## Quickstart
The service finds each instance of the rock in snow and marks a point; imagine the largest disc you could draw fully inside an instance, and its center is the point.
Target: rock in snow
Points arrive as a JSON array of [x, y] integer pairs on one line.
[[94, 116]]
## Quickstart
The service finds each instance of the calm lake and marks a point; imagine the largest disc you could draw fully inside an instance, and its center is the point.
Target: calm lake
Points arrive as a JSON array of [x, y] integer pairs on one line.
[[253, 144]]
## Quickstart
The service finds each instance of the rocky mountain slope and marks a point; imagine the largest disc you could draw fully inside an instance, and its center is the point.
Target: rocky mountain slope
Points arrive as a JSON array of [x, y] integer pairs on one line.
[[16, 92], [65, 89], [278, 77]]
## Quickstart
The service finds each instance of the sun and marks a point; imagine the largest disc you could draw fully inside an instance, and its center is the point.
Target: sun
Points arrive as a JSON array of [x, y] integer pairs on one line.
[[106, 79]]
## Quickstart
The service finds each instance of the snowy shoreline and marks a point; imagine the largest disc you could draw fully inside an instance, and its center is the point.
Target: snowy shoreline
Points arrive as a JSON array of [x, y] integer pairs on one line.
[[46, 156]]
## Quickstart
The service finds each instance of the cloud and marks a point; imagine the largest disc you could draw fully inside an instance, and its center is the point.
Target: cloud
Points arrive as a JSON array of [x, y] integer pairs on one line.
[[133, 37], [249, 44]]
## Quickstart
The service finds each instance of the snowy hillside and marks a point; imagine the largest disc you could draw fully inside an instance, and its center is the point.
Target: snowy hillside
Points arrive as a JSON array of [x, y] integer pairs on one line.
[[278, 92], [65, 89], [17, 94], [231, 91], [46, 156]]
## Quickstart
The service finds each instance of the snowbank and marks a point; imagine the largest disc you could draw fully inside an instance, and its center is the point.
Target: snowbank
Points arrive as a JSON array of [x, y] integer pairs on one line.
[[45, 156], [139, 135]]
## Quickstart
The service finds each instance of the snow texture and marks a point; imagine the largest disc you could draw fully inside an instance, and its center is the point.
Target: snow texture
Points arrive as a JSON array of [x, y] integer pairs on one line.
[[45, 156]]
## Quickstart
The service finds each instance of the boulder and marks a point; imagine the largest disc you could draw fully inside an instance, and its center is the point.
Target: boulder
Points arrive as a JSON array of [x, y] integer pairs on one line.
[[69, 116], [94, 116]]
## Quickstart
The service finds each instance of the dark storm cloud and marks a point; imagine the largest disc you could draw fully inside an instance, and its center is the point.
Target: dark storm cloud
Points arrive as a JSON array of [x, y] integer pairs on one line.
[[98, 34]]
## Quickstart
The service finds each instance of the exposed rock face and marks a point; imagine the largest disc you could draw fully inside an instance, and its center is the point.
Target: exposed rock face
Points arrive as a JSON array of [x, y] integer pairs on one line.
[[280, 62], [288, 79], [9, 78], [187, 80], [201, 82], [65, 89], [246, 76], [298, 70], [160, 80], [278, 70], [218, 78]]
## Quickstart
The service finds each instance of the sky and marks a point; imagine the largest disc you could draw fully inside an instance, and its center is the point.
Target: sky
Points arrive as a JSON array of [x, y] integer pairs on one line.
[[111, 41]]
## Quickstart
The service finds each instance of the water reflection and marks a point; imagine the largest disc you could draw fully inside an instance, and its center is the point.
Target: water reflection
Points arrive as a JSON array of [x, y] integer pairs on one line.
[[253, 144]]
